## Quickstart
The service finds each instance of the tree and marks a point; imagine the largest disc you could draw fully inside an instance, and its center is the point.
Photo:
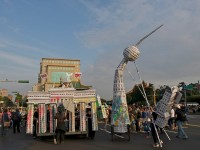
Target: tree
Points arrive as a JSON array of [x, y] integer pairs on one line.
[[7, 102], [25, 100], [135, 95], [18, 99]]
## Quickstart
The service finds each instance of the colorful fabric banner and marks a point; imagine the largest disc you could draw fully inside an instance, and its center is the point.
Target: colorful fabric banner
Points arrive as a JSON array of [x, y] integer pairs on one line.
[[73, 122], [52, 120], [94, 116], [29, 124], [42, 118], [70, 121], [82, 117]]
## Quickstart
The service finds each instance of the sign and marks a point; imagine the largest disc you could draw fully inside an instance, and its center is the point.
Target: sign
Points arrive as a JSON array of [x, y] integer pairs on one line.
[[58, 77], [77, 75], [43, 75], [23, 81]]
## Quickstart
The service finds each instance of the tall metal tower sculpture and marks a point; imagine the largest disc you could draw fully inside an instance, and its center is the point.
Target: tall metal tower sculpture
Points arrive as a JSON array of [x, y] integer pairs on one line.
[[119, 117]]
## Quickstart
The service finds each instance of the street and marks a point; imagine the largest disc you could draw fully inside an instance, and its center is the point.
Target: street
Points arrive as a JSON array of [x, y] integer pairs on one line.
[[103, 140]]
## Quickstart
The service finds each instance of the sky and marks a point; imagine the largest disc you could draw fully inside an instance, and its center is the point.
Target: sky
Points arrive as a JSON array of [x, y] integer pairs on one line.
[[96, 32]]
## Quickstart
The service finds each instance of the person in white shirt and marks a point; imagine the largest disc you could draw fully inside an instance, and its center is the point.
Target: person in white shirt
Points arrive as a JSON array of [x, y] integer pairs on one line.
[[171, 119]]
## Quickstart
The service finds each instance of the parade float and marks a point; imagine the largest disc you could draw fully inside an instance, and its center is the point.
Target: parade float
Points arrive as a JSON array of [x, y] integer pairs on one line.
[[76, 102]]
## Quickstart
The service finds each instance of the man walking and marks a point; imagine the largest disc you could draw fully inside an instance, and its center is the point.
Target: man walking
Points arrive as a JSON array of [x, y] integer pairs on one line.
[[16, 118], [180, 118]]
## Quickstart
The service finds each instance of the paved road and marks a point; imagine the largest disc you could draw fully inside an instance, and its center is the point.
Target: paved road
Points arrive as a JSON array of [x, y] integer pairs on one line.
[[103, 141]]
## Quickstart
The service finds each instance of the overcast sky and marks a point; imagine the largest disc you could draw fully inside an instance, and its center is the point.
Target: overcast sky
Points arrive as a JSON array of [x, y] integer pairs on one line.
[[97, 32]]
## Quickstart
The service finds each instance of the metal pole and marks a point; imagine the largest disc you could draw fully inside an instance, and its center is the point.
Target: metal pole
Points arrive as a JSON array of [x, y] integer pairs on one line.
[[185, 97], [154, 97]]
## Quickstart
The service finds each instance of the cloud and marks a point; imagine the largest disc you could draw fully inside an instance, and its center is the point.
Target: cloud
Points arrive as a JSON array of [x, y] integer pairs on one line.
[[16, 59], [169, 56], [20, 47]]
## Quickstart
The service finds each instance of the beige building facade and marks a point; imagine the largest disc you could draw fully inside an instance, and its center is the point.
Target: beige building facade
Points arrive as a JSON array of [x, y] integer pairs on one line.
[[53, 71], [3, 92]]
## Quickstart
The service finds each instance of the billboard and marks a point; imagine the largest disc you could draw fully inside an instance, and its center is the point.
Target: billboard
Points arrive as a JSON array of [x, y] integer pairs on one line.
[[61, 76]]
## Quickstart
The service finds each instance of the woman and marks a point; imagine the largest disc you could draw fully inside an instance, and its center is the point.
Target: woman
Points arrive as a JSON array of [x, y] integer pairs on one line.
[[60, 129], [5, 120]]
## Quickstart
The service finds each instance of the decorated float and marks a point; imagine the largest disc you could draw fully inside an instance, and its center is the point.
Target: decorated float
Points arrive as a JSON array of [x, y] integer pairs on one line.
[[120, 121], [76, 102]]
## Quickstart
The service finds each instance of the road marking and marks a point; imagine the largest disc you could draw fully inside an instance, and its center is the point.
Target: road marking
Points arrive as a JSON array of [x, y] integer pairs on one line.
[[171, 131], [193, 125], [110, 133]]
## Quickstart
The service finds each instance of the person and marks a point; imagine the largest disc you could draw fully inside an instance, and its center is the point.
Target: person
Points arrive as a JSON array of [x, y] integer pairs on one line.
[[60, 129], [48, 118], [180, 118], [132, 119], [9, 115], [24, 117], [91, 133], [107, 118], [171, 119], [154, 127], [138, 120], [5, 120], [16, 118], [35, 120], [1, 113]]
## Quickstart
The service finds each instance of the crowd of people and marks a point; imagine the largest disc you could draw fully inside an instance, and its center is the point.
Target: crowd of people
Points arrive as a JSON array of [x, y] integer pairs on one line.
[[142, 119], [12, 118]]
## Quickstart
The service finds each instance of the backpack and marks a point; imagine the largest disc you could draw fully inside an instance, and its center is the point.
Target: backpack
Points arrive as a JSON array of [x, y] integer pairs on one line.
[[16, 116], [183, 117], [146, 127]]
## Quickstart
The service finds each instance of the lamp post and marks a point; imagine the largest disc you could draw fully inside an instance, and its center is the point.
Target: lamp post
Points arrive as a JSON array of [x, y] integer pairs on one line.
[[19, 81]]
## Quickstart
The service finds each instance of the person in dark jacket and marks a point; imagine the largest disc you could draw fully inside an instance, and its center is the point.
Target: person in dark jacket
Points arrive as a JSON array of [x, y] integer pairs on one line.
[[154, 127], [91, 133], [60, 129], [179, 122], [16, 118], [35, 120]]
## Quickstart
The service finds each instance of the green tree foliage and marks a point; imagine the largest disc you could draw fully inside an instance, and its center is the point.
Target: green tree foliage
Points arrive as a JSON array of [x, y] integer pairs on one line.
[[25, 100], [135, 95], [7, 102], [195, 98], [18, 99]]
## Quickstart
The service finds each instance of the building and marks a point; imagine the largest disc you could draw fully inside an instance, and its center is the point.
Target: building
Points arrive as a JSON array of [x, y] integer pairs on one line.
[[3, 92], [55, 71]]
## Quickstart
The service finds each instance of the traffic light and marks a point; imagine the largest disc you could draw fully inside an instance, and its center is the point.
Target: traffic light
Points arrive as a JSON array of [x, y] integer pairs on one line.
[[23, 81]]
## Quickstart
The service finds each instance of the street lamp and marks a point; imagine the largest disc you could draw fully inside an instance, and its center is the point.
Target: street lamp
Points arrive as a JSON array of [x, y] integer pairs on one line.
[[19, 81]]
